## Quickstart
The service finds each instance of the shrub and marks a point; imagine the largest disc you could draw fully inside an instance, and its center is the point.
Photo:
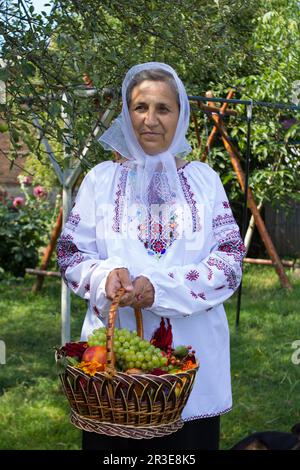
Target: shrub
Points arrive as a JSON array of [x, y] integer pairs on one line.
[[25, 225]]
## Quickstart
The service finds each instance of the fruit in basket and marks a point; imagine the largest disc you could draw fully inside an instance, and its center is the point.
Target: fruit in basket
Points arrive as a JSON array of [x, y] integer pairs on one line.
[[132, 352], [134, 355], [180, 351], [95, 354]]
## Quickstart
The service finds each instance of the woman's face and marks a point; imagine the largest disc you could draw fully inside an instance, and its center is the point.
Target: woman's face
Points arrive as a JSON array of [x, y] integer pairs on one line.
[[154, 113]]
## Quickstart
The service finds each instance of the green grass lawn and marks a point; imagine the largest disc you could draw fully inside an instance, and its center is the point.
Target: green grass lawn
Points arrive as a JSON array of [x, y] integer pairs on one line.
[[34, 413]]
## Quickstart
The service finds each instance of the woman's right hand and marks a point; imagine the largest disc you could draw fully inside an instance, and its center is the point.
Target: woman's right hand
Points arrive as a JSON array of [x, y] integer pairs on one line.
[[117, 278]]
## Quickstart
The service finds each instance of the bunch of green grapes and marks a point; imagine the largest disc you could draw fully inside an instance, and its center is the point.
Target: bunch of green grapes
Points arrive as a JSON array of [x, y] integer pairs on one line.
[[131, 351]]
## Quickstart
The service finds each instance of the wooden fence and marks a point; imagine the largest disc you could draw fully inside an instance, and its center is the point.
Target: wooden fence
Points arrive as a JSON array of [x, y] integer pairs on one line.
[[284, 228]]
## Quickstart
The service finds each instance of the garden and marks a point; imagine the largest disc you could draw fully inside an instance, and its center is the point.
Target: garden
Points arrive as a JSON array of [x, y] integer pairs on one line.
[[35, 414], [55, 103]]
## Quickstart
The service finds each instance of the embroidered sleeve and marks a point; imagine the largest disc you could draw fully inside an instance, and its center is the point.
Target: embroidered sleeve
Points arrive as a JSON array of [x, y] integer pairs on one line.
[[194, 288], [77, 253]]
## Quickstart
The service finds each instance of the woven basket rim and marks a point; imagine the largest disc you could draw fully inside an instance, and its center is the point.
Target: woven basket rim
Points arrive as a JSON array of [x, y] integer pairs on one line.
[[120, 373]]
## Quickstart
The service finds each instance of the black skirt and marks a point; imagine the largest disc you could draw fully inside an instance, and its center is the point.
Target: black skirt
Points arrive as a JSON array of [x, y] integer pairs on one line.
[[199, 434]]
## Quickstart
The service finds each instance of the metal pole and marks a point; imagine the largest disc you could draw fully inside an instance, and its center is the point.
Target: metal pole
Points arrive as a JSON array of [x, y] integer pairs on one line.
[[245, 207], [69, 178], [66, 204], [65, 291]]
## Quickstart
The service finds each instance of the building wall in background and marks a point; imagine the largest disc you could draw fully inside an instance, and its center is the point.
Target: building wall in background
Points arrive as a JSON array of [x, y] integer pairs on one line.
[[9, 177]]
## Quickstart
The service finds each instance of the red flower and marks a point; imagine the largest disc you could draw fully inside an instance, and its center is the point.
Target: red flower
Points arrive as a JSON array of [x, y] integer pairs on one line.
[[26, 181], [163, 337], [18, 202], [39, 192], [75, 349]]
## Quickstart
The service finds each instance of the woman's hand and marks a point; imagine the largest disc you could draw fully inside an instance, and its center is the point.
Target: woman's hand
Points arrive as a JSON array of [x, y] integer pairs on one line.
[[143, 293], [139, 294], [117, 278]]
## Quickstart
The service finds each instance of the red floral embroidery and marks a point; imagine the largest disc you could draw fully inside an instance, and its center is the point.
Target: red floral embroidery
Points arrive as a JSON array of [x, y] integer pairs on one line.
[[193, 294], [73, 221], [156, 228], [235, 248], [96, 311], [119, 201], [221, 220], [68, 254], [192, 275], [202, 295], [189, 196], [155, 237], [158, 246], [229, 272]]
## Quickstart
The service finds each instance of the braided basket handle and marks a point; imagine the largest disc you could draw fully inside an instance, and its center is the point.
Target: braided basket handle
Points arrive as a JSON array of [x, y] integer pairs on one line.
[[110, 369]]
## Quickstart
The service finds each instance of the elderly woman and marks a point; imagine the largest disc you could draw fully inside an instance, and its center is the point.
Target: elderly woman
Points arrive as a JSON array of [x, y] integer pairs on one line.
[[161, 228]]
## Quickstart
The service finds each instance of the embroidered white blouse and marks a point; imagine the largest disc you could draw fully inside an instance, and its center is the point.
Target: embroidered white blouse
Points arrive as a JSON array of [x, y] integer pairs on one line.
[[192, 278]]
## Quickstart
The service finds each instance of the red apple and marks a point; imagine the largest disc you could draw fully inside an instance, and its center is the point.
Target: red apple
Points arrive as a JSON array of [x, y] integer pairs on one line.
[[95, 353]]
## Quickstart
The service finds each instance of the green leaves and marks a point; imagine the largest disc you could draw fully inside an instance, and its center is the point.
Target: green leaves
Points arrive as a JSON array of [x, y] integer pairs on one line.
[[28, 68], [63, 362], [3, 74], [250, 45], [180, 351]]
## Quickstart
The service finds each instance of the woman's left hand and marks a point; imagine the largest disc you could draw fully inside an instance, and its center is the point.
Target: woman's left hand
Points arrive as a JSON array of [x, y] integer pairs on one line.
[[143, 292]]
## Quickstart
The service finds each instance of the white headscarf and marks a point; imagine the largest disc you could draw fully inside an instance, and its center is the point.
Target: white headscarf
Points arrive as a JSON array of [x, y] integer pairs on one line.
[[157, 180]]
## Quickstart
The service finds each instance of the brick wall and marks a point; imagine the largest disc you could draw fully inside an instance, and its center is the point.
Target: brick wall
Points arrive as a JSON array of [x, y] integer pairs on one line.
[[9, 177]]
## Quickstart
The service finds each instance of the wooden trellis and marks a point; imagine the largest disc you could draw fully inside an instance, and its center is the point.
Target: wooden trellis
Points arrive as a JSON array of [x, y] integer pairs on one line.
[[215, 114]]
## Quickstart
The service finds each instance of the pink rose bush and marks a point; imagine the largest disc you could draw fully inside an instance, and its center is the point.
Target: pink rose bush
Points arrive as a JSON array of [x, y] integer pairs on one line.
[[18, 201], [25, 224], [39, 192]]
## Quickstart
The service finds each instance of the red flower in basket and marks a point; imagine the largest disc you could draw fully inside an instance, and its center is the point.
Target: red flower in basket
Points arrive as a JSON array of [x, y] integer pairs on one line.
[[75, 349]]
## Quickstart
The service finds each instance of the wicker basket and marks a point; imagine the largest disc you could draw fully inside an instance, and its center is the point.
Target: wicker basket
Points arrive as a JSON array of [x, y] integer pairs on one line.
[[118, 404]]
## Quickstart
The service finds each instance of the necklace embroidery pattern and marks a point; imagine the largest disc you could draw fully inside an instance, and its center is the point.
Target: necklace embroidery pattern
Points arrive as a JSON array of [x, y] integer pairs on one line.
[[157, 237], [156, 233], [157, 228]]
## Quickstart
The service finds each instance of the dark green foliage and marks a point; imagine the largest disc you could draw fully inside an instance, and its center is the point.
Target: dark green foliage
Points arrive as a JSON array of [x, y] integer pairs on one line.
[[25, 225]]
